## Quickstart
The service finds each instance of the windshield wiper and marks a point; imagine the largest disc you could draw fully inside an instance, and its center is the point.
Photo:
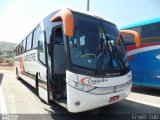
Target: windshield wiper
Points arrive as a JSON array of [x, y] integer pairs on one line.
[[115, 52]]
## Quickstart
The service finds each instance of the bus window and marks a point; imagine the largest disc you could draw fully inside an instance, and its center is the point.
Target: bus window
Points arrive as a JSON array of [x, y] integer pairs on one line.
[[35, 37], [20, 48], [16, 51], [41, 47], [24, 45], [29, 42], [150, 33]]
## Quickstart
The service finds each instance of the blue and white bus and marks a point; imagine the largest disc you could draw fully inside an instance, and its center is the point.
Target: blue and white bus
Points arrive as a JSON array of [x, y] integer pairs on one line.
[[145, 61]]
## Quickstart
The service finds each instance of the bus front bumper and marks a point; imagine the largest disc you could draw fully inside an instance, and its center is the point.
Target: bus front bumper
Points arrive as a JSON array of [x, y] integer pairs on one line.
[[79, 101]]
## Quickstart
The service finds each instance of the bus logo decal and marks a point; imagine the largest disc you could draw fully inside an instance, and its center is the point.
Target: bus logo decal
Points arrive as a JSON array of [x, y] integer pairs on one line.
[[92, 81]]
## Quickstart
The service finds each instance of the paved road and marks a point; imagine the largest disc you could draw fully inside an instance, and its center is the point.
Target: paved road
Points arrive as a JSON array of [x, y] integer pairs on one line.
[[22, 103]]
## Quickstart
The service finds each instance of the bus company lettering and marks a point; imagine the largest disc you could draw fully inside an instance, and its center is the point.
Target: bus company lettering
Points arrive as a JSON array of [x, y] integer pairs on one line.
[[92, 81], [30, 57]]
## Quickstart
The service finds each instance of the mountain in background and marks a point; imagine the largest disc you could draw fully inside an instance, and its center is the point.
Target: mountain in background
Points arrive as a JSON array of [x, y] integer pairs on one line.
[[7, 46]]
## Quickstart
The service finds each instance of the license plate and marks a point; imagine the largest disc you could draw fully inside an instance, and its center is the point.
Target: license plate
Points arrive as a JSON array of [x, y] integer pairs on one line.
[[114, 98]]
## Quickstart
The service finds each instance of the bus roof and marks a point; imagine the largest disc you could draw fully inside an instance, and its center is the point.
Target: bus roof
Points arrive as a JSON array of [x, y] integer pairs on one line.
[[81, 11], [141, 23], [90, 14]]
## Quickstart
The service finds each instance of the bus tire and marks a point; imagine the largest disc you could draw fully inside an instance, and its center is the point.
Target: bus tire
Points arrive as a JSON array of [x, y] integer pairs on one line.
[[37, 89], [17, 76]]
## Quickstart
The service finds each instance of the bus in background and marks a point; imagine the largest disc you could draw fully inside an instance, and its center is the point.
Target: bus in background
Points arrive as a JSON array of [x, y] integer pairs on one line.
[[76, 59], [145, 61]]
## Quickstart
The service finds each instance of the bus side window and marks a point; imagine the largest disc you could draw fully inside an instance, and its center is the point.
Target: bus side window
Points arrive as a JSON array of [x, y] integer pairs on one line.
[[16, 51], [24, 45], [41, 47], [150, 33], [29, 42], [35, 37], [20, 48]]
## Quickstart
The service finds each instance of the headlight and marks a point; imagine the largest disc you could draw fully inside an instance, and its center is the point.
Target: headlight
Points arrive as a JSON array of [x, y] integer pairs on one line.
[[79, 86]]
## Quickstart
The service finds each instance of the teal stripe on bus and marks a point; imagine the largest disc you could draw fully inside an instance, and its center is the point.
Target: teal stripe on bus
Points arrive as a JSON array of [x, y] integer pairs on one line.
[[141, 23]]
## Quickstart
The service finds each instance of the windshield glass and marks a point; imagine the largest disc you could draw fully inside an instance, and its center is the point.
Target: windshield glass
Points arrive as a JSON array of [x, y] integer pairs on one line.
[[93, 46]]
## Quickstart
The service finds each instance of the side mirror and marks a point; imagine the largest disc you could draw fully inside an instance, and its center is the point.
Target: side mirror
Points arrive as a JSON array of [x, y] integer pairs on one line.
[[130, 32]]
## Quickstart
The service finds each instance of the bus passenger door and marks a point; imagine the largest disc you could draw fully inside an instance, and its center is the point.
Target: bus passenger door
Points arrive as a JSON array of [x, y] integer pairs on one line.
[[58, 63]]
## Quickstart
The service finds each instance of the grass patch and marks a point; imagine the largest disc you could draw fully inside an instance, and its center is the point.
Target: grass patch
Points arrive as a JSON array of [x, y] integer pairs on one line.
[[7, 59]]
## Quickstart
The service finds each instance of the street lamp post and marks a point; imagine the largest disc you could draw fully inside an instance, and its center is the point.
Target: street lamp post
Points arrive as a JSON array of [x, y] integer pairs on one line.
[[87, 5]]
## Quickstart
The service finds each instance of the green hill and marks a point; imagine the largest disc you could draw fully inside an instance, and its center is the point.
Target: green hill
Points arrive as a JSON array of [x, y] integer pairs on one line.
[[7, 46]]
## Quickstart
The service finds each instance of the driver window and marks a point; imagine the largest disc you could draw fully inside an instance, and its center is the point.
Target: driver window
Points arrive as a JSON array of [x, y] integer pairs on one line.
[[59, 36]]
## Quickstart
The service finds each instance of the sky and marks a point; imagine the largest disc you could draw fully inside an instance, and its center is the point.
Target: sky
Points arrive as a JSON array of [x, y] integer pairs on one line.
[[19, 17]]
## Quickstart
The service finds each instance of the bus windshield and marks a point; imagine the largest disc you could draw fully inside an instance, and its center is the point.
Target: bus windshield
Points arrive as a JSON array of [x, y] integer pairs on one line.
[[93, 46]]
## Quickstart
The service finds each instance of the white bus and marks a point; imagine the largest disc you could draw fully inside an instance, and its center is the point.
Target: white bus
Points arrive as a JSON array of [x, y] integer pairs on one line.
[[76, 59]]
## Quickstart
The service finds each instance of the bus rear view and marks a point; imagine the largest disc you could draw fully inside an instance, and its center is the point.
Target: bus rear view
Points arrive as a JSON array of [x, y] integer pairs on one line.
[[86, 62]]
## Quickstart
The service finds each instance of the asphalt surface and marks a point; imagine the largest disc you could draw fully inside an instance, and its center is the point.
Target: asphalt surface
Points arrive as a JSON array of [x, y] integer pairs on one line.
[[22, 103]]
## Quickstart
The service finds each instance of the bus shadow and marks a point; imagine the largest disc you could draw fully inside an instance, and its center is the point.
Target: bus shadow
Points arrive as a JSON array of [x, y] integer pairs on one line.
[[31, 88], [123, 110], [146, 90]]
